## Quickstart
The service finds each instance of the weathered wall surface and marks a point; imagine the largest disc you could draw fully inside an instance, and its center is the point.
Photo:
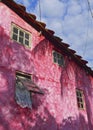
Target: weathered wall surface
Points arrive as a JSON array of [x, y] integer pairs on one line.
[[57, 109]]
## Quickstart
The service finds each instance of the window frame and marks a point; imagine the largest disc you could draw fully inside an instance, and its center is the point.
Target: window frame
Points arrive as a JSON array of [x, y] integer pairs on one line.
[[23, 75], [57, 58], [20, 29], [80, 99]]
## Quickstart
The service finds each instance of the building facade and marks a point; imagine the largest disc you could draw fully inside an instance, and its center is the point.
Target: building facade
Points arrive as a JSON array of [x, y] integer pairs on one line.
[[44, 85]]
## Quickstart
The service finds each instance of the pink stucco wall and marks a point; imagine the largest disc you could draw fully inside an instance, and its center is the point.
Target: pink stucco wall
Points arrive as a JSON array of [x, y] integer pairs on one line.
[[57, 108]]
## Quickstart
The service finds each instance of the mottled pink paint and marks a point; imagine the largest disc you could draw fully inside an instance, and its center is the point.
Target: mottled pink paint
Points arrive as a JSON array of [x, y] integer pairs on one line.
[[57, 109]]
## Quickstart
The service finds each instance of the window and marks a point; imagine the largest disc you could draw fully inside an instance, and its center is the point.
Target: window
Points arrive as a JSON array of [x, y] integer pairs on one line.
[[23, 95], [20, 35], [80, 99], [58, 58], [24, 88]]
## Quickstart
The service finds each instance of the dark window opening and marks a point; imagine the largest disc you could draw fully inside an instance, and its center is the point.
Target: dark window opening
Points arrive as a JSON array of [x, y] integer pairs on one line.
[[24, 88], [58, 58], [80, 98]]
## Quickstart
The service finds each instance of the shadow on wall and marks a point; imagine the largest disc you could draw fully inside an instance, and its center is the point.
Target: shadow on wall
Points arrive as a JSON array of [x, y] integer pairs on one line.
[[10, 113], [64, 78], [83, 80], [73, 124], [49, 123], [46, 122], [5, 90], [15, 55], [12, 117], [41, 48], [6, 102]]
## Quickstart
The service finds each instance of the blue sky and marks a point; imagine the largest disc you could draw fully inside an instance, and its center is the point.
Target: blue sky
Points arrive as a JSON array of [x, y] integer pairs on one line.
[[70, 19]]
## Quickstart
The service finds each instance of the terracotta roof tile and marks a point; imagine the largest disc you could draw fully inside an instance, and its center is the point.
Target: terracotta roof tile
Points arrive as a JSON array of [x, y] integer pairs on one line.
[[58, 38], [72, 51], [50, 31], [32, 16], [22, 7], [41, 24], [65, 44]]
